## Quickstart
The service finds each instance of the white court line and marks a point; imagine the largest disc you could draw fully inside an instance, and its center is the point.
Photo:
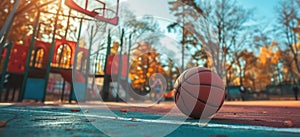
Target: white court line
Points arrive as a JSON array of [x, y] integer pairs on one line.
[[158, 121]]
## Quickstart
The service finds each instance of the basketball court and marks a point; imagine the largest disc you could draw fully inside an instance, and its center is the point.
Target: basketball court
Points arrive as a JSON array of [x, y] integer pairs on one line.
[[94, 119], [60, 70]]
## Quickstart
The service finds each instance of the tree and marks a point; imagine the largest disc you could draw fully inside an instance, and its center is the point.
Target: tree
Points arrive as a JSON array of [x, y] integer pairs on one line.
[[265, 71], [22, 25], [288, 69], [297, 46], [146, 62], [257, 71], [236, 72], [288, 11], [199, 58], [219, 25], [145, 29], [266, 67], [249, 76], [172, 73], [181, 9]]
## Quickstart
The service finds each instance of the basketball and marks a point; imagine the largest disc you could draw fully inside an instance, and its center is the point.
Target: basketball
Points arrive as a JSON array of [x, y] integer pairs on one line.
[[199, 92]]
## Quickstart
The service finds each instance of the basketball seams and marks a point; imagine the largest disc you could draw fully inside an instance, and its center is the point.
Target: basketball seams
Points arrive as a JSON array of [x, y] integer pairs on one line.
[[191, 111], [176, 92], [186, 80], [219, 90], [185, 107], [179, 81], [202, 101], [215, 86], [188, 108], [199, 71], [210, 82]]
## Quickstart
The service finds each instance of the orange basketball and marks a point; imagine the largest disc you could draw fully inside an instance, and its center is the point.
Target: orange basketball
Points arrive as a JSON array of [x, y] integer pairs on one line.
[[199, 92]]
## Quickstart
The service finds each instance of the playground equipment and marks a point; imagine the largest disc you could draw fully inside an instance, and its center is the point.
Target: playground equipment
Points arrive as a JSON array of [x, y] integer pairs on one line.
[[32, 68], [61, 64]]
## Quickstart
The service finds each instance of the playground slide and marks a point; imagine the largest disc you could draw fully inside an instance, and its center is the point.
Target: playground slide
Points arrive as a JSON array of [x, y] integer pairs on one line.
[[79, 84], [67, 75]]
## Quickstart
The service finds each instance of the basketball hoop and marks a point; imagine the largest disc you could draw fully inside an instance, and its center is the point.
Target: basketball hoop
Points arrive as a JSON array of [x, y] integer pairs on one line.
[[101, 13], [106, 15]]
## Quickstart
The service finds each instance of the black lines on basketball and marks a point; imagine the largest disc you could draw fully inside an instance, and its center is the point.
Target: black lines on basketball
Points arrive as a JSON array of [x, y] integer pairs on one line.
[[179, 102], [202, 101], [215, 86], [206, 79], [198, 90], [197, 72], [186, 107]]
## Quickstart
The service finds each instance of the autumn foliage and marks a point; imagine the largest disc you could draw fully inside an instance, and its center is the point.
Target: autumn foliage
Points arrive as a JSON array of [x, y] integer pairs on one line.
[[145, 64]]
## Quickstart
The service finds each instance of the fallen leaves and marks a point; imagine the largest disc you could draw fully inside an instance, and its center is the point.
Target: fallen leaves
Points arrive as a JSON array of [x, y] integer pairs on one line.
[[3, 123], [75, 110], [288, 123], [133, 119], [202, 124], [123, 110]]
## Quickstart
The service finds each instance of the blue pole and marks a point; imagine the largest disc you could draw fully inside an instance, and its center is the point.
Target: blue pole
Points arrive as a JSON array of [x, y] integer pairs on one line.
[[120, 66], [75, 61], [4, 69], [31, 46], [106, 76], [51, 52]]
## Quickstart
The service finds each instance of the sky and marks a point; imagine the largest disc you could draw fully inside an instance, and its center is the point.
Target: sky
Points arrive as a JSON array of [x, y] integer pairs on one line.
[[263, 12], [263, 8], [264, 15], [150, 7]]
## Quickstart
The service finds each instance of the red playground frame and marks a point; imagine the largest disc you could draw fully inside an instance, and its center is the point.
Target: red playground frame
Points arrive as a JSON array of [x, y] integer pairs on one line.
[[94, 13]]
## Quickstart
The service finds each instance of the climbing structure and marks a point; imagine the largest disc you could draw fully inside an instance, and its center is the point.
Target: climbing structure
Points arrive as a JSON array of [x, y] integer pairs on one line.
[[62, 62], [31, 68]]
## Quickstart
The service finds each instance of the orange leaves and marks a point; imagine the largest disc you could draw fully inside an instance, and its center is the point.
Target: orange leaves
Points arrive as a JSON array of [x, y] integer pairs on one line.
[[288, 123], [145, 63], [268, 56], [276, 57], [115, 47], [3, 123], [260, 69], [264, 55]]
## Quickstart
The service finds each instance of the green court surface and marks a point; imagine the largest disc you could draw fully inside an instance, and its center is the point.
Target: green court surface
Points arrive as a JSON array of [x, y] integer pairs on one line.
[[47, 121]]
